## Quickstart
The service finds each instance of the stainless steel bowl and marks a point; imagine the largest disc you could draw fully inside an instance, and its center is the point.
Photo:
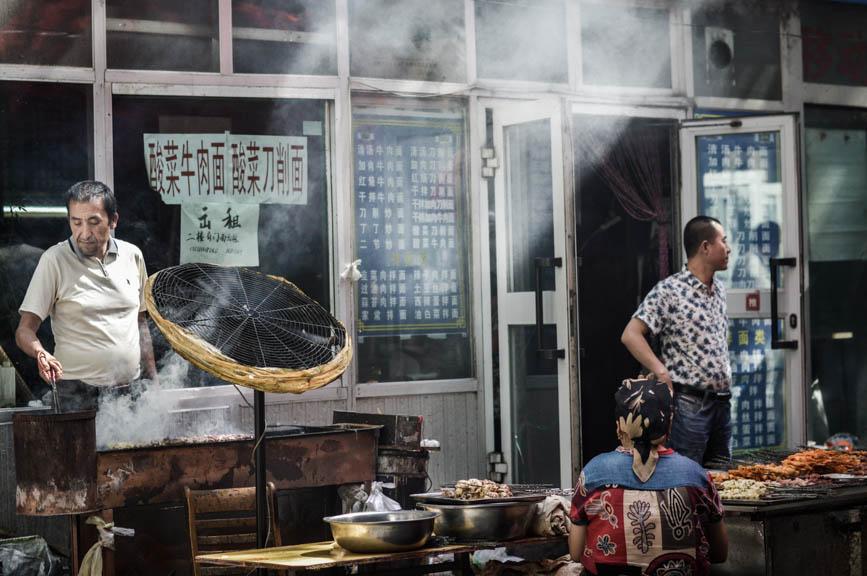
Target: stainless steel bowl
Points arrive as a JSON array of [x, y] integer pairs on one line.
[[372, 532], [487, 521]]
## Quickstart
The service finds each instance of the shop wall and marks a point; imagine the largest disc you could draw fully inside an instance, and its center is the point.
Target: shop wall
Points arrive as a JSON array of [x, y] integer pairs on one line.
[[452, 419]]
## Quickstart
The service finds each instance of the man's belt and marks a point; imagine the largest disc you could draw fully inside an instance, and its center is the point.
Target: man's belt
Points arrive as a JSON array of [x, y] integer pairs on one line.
[[699, 393]]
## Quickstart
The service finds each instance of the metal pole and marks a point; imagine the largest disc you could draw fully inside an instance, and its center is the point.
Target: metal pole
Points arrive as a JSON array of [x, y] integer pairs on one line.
[[261, 492]]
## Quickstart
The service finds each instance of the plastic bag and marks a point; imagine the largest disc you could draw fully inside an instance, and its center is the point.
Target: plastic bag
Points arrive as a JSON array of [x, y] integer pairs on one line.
[[481, 557], [379, 502], [28, 556], [353, 497]]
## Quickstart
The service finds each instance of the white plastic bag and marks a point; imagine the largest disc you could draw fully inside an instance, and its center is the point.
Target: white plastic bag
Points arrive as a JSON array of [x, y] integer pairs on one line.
[[379, 502]]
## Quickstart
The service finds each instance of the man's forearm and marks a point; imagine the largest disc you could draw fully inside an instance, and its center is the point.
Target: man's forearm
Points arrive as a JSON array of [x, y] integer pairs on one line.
[[635, 339], [28, 342], [641, 351], [149, 368]]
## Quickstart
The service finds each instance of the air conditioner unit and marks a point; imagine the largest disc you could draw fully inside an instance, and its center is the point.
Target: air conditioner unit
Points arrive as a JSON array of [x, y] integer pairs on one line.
[[719, 50]]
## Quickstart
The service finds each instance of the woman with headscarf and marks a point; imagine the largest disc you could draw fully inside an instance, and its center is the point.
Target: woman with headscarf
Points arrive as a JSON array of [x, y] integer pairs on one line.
[[643, 508]]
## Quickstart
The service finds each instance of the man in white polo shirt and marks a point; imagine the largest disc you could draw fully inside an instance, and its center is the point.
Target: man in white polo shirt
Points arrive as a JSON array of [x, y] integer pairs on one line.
[[92, 287]]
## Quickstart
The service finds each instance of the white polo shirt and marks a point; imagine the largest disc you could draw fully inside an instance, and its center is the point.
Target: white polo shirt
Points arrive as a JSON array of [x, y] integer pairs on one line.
[[94, 309]]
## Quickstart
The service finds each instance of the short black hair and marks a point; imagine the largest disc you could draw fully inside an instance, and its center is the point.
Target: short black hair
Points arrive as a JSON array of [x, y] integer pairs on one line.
[[88, 190], [697, 231]]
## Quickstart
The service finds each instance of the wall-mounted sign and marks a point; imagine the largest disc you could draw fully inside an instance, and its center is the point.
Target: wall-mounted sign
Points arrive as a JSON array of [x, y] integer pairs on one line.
[[409, 225], [753, 302], [757, 385], [226, 234], [229, 168]]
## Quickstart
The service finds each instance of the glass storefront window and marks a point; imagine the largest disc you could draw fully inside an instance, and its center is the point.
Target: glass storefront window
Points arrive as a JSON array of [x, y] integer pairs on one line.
[[45, 33], [624, 45], [741, 185], [530, 204], [46, 145], [408, 39], [522, 40], [836, 152], [284, 237], [163, 35], [736, 51], [412, 237], [276, 37]]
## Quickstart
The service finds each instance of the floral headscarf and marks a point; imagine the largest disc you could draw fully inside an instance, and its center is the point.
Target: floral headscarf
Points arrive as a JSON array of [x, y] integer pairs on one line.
[[643, 409]]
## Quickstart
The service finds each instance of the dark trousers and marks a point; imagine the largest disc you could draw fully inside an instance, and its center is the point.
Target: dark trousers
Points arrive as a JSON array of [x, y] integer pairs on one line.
[[702, 427], [78, 396]]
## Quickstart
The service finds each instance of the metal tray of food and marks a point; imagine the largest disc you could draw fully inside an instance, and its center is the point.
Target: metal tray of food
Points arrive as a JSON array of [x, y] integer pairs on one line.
[[438, 498]]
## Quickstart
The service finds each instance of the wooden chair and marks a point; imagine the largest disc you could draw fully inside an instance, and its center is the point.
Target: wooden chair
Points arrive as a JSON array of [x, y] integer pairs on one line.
[[224, 520]]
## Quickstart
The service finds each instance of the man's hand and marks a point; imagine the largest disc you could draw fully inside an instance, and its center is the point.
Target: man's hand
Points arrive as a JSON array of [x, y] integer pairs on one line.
[[666, 377], [50, 368]]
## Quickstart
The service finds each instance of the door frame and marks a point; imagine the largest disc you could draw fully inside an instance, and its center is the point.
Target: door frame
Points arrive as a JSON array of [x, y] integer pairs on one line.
[[524, 111], [791, 300]]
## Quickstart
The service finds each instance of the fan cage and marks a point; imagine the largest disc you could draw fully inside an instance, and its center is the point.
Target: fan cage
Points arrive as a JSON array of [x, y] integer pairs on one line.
[[255, 330]]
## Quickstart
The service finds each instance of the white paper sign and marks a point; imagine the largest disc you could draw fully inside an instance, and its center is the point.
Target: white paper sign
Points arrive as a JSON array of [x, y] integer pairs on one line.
[[226, 234], [247, 169]]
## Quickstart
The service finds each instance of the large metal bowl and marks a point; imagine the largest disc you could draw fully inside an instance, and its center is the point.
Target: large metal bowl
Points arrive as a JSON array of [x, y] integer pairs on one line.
[[373, 532], [483, 521]]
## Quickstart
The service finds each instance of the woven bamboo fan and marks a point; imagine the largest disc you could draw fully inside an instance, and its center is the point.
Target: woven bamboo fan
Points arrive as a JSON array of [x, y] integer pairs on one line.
[[247, 328]]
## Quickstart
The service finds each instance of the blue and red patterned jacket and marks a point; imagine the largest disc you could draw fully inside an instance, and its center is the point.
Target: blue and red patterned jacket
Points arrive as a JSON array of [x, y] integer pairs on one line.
[[657, 526]]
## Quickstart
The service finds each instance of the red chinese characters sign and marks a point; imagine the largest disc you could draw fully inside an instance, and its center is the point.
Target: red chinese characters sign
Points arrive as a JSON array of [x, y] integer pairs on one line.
[[834, 44], [227, 168]]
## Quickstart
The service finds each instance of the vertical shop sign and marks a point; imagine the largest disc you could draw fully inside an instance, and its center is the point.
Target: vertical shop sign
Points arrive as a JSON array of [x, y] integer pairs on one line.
[[409, 224], [757, 385], [227, 168], [226, 234]]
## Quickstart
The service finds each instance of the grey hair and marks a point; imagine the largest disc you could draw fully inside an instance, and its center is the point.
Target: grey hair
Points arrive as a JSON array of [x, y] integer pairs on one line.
[[88, 190]]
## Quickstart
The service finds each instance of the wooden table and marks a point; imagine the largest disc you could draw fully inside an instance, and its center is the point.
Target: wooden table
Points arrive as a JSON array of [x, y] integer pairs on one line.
[[325, 555]]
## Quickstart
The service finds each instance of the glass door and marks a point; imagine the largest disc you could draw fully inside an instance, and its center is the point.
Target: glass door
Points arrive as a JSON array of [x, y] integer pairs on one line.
[[743, 172], [532, 309]]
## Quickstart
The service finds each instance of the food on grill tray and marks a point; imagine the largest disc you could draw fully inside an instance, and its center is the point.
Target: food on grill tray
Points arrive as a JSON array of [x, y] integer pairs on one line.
[[475, 489], [742, 489], [207, 439], [719, 477], [800, 463], [807, 480]]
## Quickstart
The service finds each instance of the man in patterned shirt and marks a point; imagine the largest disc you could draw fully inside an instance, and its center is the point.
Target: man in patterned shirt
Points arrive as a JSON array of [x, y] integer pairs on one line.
[[643, 508], [687, 311]]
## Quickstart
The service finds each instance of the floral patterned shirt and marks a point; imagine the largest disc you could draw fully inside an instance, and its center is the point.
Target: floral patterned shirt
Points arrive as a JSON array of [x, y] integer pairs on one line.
[[693, 329], [657, 526]]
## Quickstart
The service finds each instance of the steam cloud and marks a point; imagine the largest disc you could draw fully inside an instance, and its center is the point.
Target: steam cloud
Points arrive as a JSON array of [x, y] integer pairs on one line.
[[148, 415]]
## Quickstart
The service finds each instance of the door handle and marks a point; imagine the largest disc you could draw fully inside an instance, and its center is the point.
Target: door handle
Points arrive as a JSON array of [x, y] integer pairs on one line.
[[541, 351], [776, 343]]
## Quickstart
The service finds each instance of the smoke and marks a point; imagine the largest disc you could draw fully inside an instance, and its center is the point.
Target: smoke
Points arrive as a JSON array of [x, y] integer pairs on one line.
[[148, 412], [408, 39]]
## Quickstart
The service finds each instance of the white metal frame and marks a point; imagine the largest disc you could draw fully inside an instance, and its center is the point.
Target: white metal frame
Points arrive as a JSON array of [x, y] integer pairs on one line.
[[791, 289], [518, 308]]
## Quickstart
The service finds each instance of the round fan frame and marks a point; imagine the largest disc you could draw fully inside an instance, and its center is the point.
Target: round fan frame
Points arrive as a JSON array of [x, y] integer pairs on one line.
[[207, 357]]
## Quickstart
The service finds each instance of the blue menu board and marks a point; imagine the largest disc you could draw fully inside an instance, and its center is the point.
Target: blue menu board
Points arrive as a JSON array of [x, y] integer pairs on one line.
[[409, 225], [740, 184], [758, 418]]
